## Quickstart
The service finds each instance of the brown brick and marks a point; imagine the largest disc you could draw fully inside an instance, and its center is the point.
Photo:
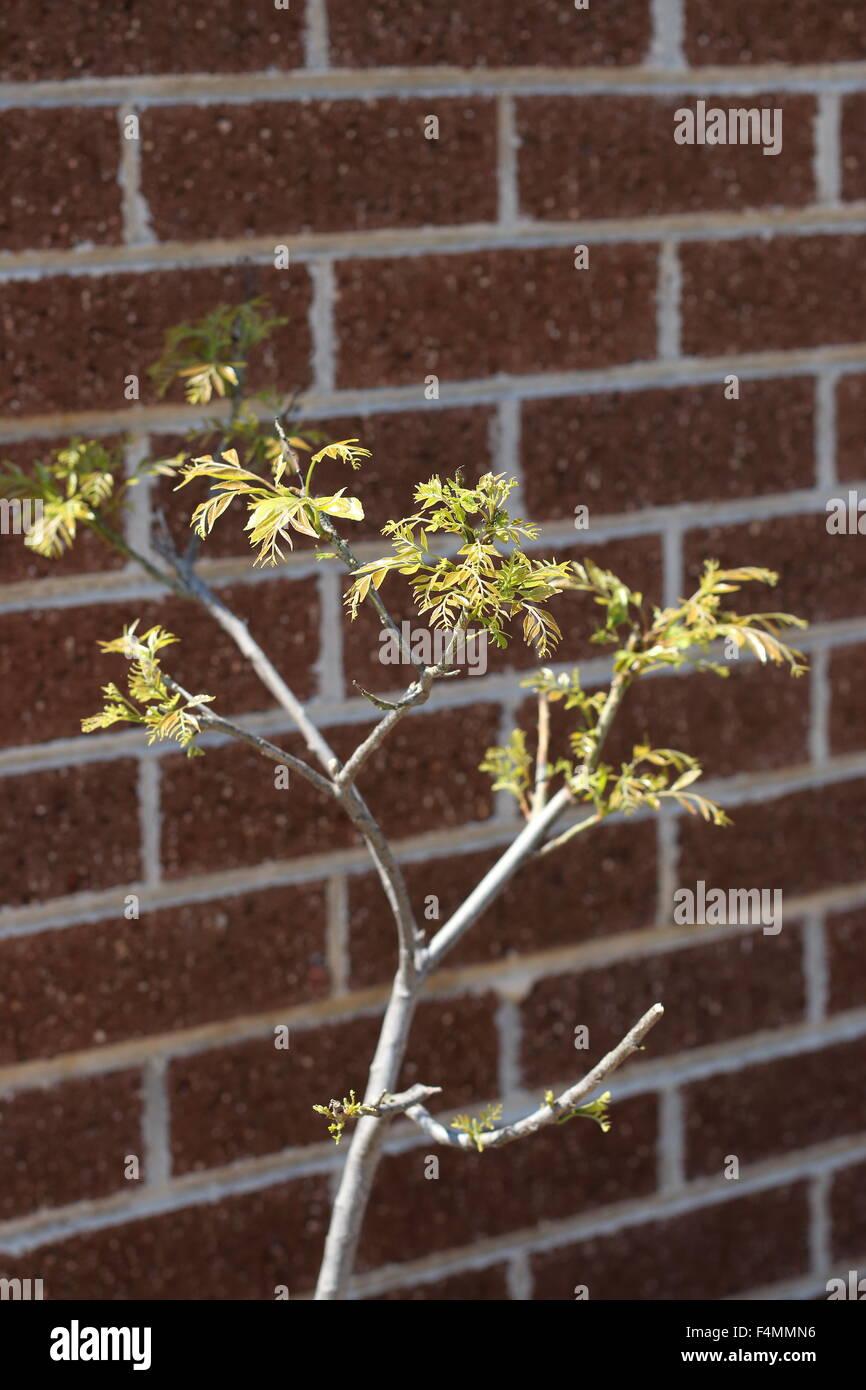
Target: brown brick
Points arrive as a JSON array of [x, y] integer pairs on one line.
[[394, 33], [637, 559], [848, 1215], [776, 31], [424, 778], [821, 577], [850, 426], [65, 1144], [468, 1286], [853, 146], [561, 1171], [572, 162], [781, 293], [476, 314], [252, 1098], [775, 1107], [70, 830], [845, 941], [327, 166], [58, 668], [408, 447], [847, 675], [799, 843], [145, 39], [118, 322], [240, 1247], [88, 555], [711, 993], [101, 982], [624, 451], [599, 886], [76, 198], [755, 720], [723, 1249]]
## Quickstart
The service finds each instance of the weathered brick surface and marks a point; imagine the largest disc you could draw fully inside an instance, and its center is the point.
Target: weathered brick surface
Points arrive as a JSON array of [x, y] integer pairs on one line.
[[572, 165], [241, 1247], [101, 982], [473, 315], [254, 1098], [712, 1253], [60, 1145], [327, 166], [848, 1215], [711, 993], [627, 450], [470, 1286], [853, 146], [756, 295], [799, 843], [55, 841], [790, 1103], [845, 941], [777, 31], [847, 671], [144, 38], [392, 33], [77, 196], [851, 425], [118, 324]]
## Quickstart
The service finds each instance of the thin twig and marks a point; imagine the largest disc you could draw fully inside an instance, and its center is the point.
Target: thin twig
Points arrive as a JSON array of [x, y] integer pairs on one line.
[[546, 1114], [541, 769]]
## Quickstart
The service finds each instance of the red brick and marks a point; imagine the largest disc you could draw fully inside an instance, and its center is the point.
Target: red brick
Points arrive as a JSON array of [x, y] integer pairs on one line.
[[757, 294], [776, 31], [821, 577], [65, 1144], [572, 162], [800, 843], [848, 1215], [562, 1171], [70, 830], [850, 426], [178, 967], [853, 146], [625, 451], [146, 39], [397, 33], [241, 1247], [775, 1107], [477, 314], [723, 1249], [76, 198], [118, 322], [468, 1286], [599, 886], [424, 778], [711, 993], [845, 941], [847, 674], [252, 1098], [59, 669], [89, 554], [327, 166]]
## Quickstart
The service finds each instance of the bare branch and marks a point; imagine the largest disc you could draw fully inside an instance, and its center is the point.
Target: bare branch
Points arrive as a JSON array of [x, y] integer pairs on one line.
[[546, 1114], [541, 774]]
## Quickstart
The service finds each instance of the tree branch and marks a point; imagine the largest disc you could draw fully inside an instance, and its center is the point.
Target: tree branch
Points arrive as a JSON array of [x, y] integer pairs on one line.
[[546, 1114]]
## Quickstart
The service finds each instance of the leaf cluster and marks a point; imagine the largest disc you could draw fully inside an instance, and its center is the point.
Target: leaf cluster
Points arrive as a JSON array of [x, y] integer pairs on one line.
[[166, 714], [74, 484], [476, 1126]]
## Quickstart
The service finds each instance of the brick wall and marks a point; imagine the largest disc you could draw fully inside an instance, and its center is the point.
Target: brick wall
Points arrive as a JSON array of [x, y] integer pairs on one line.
[[455, 257]]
